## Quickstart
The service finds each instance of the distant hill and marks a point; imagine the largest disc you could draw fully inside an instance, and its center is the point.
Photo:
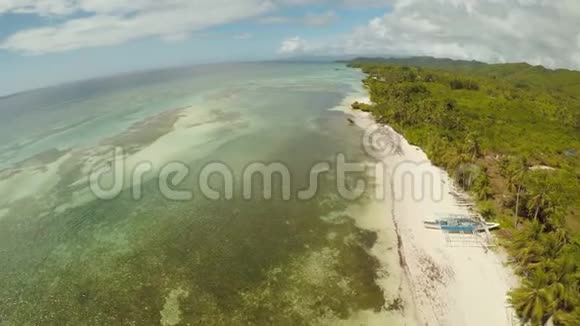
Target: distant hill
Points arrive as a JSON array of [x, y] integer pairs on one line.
[[522, 74], [427, 62]]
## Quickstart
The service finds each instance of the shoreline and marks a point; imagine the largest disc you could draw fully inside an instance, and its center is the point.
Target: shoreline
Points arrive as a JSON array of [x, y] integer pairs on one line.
[[447, 283]]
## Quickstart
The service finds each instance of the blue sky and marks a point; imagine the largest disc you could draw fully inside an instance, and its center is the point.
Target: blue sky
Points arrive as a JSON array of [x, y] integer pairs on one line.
[[44, 42], [248, 38]]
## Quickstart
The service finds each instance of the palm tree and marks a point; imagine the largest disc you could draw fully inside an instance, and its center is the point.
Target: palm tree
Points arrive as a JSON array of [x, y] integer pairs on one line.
[[531, 231], [553, 244], [472, 146], [526, 246], [568, 318], [455, 157], [539, 198], [515, 186], [482, 187], [534, 300], [566, 289], [544, 194], [529, 257], [515, 183]]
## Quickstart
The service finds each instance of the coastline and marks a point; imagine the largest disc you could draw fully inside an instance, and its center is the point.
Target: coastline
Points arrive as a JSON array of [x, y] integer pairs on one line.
[[442, 283]]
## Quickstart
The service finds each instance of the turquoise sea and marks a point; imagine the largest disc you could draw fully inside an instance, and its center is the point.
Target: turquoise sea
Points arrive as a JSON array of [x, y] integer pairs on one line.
[[69, 258]]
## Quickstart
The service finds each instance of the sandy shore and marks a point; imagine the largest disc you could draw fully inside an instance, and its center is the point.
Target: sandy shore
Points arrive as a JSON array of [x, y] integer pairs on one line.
[[451, 281]]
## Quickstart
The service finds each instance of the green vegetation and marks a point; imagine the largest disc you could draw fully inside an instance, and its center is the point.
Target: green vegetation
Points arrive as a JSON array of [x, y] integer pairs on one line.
[[510, 134]]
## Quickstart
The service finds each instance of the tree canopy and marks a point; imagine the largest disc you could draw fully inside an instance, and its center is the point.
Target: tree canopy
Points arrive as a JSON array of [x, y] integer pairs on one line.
[[512, 131]]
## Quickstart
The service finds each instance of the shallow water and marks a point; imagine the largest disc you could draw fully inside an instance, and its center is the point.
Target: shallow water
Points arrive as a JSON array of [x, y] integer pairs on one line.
[[69, 258]]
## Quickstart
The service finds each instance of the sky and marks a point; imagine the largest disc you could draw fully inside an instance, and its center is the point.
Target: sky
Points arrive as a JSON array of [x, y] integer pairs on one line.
[[45, 42]]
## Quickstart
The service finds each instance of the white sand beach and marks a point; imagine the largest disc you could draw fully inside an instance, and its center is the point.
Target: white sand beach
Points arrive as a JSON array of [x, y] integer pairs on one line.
[[450, 283]]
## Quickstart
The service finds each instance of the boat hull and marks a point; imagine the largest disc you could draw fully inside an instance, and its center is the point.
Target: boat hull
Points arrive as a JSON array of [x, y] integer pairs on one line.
[[449, 226]]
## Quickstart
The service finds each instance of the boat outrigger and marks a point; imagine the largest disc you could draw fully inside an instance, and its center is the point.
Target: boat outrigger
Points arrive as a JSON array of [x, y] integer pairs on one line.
[[459, 223]]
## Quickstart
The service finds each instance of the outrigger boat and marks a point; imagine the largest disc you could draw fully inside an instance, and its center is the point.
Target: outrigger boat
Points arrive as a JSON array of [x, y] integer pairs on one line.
[[459, 223]]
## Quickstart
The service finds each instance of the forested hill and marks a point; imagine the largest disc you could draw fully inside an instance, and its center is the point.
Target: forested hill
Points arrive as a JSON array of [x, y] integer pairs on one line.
[[521, 74], [516, 108], [425, 62], [510, 135]]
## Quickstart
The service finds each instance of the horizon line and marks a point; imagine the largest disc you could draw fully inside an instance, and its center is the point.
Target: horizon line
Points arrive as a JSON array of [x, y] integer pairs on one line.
[[292, 59]]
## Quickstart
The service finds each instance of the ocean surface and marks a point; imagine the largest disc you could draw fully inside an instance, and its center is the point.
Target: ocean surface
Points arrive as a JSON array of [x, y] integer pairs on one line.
[[142, 257]]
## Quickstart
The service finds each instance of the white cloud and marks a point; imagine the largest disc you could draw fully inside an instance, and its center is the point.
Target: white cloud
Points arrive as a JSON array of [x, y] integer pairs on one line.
[[346, 3], [115, 22], [94, 23], [536, 31], [67, 7], [310, 19], [292, 45], [40, 7], [275, 20], [368, 3]]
